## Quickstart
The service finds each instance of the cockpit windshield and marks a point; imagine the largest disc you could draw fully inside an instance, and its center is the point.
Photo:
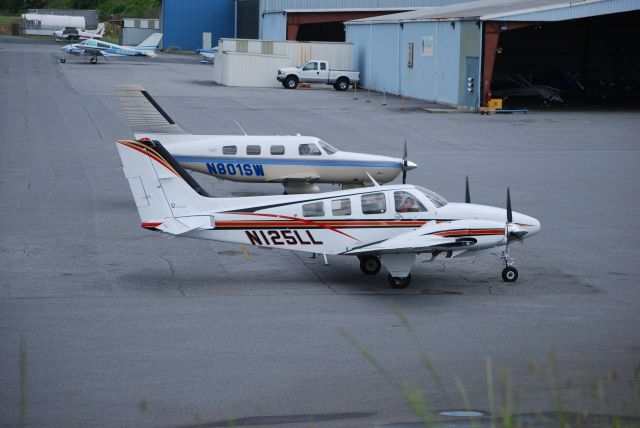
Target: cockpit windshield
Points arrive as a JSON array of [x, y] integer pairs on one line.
[[327, 147], [436, 199]]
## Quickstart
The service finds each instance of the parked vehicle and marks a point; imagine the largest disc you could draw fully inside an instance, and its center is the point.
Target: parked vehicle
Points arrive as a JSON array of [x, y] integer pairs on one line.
[[315, 71]]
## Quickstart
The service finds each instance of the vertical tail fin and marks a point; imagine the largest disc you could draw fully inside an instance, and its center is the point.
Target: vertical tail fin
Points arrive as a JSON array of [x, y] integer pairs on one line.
[[100, 30], [162, 189], [150, 43]]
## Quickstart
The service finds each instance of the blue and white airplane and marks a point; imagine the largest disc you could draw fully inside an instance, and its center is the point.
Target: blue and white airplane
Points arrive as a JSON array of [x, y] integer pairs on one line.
[[299, 162], [96, 48]]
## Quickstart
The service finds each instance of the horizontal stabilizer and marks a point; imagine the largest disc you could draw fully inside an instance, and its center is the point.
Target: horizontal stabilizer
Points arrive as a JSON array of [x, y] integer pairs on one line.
[[180, 225], [143, 113]]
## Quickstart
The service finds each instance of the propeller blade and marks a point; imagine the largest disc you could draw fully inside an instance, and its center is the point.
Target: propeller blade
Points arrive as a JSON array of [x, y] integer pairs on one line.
[[467, 195], [509, 212], [404, 163]]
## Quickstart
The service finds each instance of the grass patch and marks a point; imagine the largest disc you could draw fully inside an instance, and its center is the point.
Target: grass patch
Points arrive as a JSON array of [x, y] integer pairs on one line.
[[9, 19]]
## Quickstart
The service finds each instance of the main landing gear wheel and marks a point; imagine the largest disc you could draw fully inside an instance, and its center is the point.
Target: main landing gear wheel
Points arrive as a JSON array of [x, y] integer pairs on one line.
[[93, 60], [397, 282], [370, 265], [62, 60], [509, 274]]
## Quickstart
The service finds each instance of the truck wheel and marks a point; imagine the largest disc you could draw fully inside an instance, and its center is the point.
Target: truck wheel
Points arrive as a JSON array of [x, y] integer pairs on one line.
[[291, 83], [342, 84]]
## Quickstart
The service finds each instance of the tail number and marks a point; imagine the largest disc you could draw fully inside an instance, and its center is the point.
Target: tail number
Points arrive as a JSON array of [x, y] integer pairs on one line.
[[281, 237], [242, 169]]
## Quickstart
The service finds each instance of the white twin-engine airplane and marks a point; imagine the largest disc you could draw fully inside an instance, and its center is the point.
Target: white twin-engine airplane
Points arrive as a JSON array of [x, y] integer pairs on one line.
[[72, 33], [381, 225], [298, 162]]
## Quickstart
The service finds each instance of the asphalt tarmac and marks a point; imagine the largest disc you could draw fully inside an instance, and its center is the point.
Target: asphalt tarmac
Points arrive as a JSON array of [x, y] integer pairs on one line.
[[103, 323]]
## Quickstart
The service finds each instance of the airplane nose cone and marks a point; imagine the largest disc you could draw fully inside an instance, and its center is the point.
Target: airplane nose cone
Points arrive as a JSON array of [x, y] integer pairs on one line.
[[411, 165]]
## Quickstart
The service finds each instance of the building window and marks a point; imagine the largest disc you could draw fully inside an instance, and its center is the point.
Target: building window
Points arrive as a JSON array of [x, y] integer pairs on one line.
[[427, 46], [410, 55]]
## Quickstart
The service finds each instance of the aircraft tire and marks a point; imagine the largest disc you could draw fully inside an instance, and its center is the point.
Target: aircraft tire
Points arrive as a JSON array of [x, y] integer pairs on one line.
[[509, 274], [397, 282], [370, 265], [62, 60]]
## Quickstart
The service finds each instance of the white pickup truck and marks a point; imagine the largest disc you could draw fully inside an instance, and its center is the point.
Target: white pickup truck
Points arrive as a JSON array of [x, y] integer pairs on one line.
[[315, 71]]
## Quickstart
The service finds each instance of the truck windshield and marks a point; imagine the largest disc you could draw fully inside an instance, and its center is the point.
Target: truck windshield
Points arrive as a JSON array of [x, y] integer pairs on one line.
[[327, 147]]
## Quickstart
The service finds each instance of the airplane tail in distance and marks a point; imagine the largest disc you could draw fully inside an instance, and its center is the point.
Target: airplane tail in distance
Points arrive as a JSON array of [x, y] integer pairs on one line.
[[100, 30], [150, 44], [143, 113], [163, 191]]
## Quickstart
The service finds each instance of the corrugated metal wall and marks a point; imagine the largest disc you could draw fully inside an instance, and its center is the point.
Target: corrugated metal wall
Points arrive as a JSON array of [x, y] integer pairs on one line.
[[277, 5], [134, 36], [274, 29], [470, 38], [382, 54], [183, 22], [274, 26]]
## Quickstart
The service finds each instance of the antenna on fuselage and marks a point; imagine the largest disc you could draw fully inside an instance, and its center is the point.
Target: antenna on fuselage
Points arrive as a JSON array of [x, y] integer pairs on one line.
[[375, 183], [241, 128]]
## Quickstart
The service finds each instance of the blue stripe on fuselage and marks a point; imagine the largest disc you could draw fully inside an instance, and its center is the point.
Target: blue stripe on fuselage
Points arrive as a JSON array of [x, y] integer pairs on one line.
[[305, 162]]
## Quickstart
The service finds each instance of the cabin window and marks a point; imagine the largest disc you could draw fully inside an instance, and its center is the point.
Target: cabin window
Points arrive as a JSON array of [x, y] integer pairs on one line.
[[373, 203], [277, 150], [341, 206], [253, 150], [229, 150], [327, 147], [314, 209], [309, 149], [405, 202], [103, 45]]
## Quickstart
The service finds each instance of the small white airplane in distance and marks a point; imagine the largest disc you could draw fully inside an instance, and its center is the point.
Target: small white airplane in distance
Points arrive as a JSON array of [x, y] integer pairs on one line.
[[298, 162], [381, 225], [74, 34], [96, 48]]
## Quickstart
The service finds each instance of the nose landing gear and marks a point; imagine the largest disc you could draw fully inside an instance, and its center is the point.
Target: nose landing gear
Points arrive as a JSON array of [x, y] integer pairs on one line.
[[509, 273]]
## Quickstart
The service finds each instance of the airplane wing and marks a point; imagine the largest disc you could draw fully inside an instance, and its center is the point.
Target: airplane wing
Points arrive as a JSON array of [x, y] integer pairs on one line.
[[307, 178], [456, 236], [143, 113]]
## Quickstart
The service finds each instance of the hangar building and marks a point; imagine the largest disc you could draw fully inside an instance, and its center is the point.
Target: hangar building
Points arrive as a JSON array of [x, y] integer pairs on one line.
[[463, 54], [322, 20], [183, 22]]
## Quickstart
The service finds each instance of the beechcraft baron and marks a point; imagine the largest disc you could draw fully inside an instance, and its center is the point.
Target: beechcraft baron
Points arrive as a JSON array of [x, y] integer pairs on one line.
[[381, 225], [72, 33], [298, 162], [96, 48]]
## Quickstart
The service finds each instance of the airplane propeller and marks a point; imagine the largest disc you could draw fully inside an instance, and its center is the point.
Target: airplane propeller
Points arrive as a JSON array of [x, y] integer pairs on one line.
[[404, 163], [514, 231], [467, 194]]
